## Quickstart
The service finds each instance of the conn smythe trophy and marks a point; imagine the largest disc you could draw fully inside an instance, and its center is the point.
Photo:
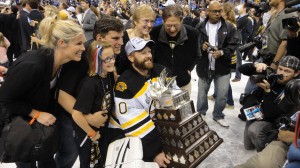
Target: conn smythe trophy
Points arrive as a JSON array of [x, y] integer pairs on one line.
[[186, 137]]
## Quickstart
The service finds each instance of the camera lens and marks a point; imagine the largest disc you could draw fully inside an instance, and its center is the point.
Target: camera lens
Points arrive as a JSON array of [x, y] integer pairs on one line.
[[257, 78]]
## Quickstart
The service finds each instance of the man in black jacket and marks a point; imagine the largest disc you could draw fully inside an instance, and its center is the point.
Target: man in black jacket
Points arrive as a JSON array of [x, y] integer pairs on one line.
[[244, 28], [177, 46], [218, 40]]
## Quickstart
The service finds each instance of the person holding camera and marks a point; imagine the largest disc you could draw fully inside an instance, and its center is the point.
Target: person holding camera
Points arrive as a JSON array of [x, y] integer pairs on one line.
[[271, 102], [274, 38], [218, 41], [275, 41], [275, 154]]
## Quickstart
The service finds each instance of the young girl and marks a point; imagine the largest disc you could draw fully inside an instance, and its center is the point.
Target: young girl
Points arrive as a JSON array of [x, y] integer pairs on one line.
[[4, 44], [95, 94]]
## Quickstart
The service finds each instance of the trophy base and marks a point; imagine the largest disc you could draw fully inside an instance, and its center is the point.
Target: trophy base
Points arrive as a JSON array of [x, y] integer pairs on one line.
[[187, 142], [194, 155]]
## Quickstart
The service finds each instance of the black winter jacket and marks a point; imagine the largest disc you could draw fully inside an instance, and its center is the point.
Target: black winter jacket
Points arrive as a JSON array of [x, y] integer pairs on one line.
[[227, 41], [27, 85], [182, 58]]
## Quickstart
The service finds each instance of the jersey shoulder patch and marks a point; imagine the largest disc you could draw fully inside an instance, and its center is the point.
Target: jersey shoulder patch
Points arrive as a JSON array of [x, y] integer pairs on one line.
[[121, 86]]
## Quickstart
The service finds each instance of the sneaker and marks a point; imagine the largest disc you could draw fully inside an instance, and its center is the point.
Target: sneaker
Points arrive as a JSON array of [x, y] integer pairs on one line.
[[242, 117], [211, 97], [229, 106], [203, 116], [235, 80], [222, 122]]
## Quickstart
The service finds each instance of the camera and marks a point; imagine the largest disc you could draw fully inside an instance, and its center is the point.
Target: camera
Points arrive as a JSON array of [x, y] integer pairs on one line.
[[257, 42], [286, 123], [212, 48], [291, 23], [260, 7], [268, 74]]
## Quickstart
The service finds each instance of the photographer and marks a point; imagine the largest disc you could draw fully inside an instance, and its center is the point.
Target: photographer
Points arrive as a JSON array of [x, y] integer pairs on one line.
[[273, 40], [274, 155], [294, 41], [273, 105], [275, 37]]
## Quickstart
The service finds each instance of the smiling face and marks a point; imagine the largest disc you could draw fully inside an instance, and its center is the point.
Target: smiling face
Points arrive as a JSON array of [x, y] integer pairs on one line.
[[74, 48], [113, 38], [173, 25], [144, 25], [142, 60], [108, 66]]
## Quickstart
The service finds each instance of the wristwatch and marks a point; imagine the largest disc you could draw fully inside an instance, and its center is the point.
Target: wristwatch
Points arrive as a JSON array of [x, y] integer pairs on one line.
[[276, 63]]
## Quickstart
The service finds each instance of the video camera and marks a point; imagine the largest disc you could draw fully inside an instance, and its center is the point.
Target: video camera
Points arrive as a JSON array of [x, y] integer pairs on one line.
[[291, 23], [260, 7], [269, 74], [257, 42]]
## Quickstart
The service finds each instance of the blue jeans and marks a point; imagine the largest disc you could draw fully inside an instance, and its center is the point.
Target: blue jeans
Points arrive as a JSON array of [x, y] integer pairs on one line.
[[238, 64], [221, 90], [67, 153], [229, 96], [250, 87]]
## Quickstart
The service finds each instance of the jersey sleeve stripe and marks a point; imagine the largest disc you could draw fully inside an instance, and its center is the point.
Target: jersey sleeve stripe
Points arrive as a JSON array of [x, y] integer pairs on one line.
[[142, 130], [135, 120]]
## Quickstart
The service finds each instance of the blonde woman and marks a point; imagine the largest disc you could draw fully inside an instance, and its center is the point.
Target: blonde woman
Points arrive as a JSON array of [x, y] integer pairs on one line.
[[30, 84]]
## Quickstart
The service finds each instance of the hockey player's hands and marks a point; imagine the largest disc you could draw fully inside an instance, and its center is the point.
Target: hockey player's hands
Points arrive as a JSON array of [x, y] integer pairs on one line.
[[162, 160]]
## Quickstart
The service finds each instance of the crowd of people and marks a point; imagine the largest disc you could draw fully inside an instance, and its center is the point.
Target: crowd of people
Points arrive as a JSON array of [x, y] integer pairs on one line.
[[87, 68]]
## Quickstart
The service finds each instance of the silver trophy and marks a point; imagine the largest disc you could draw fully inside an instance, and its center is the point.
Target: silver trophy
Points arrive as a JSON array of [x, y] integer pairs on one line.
[[186, 137]]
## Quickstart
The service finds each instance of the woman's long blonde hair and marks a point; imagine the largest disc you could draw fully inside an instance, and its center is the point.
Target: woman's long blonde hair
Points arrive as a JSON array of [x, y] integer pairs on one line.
[[52, 30], [228, 10]]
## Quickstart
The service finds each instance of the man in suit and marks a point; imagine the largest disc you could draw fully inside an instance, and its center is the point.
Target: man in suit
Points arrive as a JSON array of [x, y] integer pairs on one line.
[[244, 28], [25, 28], [89, 19]]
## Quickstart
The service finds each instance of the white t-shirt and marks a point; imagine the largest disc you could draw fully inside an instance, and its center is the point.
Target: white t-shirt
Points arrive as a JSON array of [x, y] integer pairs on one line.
[[212, 31]]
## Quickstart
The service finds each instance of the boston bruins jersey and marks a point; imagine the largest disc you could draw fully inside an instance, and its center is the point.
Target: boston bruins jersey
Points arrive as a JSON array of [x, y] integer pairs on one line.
[[134, 109]]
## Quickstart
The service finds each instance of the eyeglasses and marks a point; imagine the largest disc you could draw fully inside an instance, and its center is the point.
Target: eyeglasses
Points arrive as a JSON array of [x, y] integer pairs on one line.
[[175, 26], [216, 11], [108, 60], [147, 21]]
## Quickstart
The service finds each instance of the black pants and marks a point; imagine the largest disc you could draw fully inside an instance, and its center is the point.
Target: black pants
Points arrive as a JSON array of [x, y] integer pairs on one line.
[[47, 163]]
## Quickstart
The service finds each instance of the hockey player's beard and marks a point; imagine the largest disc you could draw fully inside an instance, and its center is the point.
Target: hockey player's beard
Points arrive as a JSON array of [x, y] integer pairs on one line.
[[146, 64]]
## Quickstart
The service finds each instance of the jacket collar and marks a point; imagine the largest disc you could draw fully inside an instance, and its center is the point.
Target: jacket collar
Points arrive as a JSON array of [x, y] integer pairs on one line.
[[182, 37], [203, 24]]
